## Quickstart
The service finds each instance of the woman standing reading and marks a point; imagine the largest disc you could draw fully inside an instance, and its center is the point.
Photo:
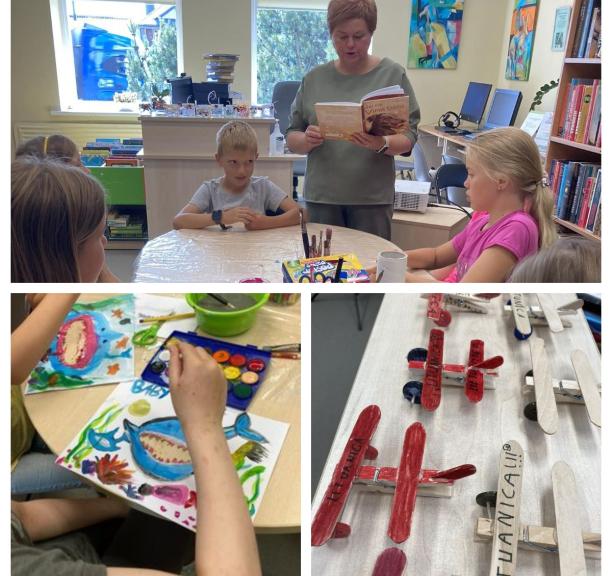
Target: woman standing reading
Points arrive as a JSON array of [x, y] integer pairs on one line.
[[350, 183]]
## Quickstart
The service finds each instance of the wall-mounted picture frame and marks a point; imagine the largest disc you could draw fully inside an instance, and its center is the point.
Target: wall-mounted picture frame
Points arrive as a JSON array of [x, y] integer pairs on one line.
[[520, 45], [559, 38]]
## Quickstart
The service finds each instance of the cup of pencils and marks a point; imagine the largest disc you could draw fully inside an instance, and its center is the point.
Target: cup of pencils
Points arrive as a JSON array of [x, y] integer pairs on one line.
[[284, 299], [226, 314]]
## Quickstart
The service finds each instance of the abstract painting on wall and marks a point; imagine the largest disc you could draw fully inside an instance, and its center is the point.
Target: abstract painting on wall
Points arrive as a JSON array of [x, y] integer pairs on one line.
[[93, 346], [435, 33], [134, 447], [520, 46]]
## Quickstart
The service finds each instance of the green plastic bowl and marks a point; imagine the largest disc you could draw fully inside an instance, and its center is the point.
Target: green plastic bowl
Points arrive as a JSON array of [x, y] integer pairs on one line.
[[225, 323]]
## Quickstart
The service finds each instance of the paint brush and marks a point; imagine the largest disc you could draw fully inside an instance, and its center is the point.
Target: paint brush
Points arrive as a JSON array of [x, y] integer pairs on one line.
[[150, 319], [338, 269], [320, 243], [328, 237], [304, 236], [313, 247], [380, 276], [222, 300]]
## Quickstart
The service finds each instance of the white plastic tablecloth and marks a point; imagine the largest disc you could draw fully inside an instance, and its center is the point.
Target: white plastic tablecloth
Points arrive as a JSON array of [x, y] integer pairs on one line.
[[442, 539]]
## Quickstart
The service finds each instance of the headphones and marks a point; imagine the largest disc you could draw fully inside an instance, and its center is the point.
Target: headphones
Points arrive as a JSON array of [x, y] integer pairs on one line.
[[449, 119]]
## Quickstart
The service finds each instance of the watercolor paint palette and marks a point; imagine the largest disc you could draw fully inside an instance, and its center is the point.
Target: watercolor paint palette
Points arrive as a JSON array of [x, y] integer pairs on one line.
[[244, 367]]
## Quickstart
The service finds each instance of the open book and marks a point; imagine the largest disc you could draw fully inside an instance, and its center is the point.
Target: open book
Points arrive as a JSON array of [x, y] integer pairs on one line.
[[380, 113]]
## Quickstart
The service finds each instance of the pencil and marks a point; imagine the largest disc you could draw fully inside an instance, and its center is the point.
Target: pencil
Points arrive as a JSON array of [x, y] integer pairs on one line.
[[150, 319]]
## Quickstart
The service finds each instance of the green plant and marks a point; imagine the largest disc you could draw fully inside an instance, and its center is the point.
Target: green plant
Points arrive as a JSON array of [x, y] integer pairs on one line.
[[542, 91], [149, 66]]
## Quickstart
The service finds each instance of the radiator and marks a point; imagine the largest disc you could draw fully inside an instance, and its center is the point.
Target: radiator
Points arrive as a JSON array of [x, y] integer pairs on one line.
[[79, 132]]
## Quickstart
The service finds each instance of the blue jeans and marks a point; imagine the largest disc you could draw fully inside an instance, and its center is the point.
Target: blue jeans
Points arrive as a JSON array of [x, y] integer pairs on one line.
[[37, 472]]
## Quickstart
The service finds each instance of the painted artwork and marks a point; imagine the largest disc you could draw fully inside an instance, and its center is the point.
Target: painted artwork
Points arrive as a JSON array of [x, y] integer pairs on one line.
[[520, 46], [93, 346], [134, 447], [435, 33]]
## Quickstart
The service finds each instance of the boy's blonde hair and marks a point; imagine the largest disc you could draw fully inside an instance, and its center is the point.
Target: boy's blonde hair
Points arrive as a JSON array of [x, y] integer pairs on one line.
[[236, 135], [54, 209], [54, 146], [340, 11], [569, 259], [512, 153]]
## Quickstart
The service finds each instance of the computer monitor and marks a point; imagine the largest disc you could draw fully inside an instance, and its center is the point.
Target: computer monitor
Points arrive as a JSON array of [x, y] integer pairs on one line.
[[504, 108], [475, 102]]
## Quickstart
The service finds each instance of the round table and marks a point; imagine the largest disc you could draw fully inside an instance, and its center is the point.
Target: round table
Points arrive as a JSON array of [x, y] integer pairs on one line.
[[215, 255], [60, 415]]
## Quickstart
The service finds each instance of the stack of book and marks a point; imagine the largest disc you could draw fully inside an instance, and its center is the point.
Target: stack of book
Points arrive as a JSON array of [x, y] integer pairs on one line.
[[576, 189], [123, 226], [587, 42], [581, 121], [111, 152]]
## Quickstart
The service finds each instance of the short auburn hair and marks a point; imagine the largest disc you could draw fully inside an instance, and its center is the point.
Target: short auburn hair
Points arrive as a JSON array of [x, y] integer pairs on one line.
[[339, 11]]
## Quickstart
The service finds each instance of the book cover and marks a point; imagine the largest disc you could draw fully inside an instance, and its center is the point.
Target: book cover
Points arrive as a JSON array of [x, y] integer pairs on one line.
[[570, 190], [583, 113], [586, 199], [595, 119], [581, 25], [594, 202], [576, 103], [585, 29], [590, 112], [594, 34], [380, 113]]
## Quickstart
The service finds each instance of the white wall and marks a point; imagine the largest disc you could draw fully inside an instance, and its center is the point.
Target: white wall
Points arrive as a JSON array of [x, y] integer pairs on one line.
[[222, 25]]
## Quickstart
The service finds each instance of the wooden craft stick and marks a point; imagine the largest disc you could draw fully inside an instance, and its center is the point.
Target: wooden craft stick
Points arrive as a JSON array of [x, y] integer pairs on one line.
[[550, 312], [588, 386], [567, 512], [548, 417]]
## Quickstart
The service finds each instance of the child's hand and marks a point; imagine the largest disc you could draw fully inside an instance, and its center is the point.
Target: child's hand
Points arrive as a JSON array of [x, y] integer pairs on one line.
[[238, 214], [197, 387], [255, 223]]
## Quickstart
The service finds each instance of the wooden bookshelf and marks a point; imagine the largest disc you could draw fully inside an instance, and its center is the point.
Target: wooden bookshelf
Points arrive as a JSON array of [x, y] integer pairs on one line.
[[560, 148]]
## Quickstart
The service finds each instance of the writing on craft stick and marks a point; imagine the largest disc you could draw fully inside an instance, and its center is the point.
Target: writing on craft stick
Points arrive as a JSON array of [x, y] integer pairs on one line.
[[520, 307], [346, 471], [149, 389], [508, 508]]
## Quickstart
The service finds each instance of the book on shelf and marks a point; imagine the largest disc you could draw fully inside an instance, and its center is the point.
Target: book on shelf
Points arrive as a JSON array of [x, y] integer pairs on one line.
[[581, 117], [381, 113], [576, 188], [588, 30], [593, 42]]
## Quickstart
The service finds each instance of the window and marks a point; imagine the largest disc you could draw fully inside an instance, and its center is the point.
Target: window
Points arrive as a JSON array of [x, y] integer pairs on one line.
[[290, 42], [113, 54]]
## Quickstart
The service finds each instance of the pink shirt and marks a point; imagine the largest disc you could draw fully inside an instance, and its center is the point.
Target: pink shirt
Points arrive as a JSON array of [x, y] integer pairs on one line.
[[517, 232]]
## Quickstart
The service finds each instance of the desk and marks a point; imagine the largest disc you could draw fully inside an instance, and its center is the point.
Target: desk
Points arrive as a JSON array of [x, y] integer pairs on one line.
[[214, 255], [444, 138], [59, 416], [410, 230], [442, 538]]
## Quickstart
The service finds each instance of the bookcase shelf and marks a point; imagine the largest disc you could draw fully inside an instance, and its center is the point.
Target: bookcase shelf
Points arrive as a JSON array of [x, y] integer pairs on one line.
[[561, 148]]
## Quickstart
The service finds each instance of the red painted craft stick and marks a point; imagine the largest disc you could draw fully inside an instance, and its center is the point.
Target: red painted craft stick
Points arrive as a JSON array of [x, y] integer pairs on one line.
[[432, 383], [326, 519], [489, 363], [408, 475], [474, 385], [390, 562], [476, 353], [436, 312], [456, 473]]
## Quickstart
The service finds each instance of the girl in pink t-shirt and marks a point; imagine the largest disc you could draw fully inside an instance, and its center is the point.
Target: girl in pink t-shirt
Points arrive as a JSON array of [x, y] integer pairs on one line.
[[508, 189]]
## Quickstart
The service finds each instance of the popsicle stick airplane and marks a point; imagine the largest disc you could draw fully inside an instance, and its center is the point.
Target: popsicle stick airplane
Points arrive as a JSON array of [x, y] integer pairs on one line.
[[390, 562], [437, 305], [508, 534], [546, 313], [405, 481], [549, 391], [431, 372]]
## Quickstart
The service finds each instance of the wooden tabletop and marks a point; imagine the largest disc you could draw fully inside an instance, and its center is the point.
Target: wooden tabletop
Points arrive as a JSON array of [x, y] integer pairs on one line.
[[454, 138], [458, 432], [214, 255], [59, 416]]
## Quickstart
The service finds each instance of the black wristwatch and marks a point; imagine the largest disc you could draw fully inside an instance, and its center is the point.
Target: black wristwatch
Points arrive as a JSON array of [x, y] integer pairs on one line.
[[217, 215], [384, 147]]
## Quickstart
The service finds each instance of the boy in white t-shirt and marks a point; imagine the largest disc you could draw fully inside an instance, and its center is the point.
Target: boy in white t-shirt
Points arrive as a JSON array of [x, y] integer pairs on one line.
[[238, 196]]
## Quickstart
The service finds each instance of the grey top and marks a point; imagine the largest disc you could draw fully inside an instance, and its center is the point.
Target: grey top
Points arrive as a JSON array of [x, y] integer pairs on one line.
[[260, 195], [68, 555], [339, 172]]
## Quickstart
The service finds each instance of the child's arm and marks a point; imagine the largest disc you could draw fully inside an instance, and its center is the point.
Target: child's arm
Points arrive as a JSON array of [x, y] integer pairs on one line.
[[49, 517], [34, 335], [494, 265], [290, 217], [191, 217], [432, 258], [225, 539]]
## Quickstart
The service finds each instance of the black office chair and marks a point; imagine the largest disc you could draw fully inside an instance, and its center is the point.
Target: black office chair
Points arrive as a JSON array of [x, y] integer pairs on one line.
[[283, 95], [447, 176]]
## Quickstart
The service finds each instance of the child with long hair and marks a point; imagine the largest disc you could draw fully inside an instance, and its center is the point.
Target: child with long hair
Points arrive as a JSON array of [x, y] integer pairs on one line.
[[507, 185], [58, 218], [54, 147]]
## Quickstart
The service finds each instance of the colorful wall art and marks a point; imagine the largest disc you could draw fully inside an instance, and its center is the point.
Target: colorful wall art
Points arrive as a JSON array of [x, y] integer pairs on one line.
[[93, 346], [520, 47], [134, 447], [435, 33]]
